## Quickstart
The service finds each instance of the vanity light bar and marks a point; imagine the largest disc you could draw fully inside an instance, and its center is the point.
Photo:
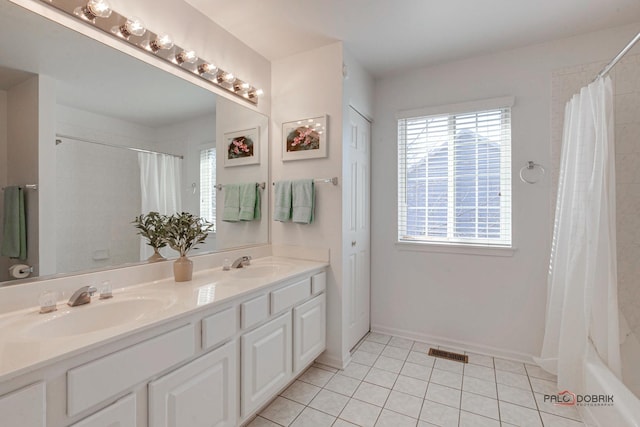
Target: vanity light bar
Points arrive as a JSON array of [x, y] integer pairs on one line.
[[99, 14]]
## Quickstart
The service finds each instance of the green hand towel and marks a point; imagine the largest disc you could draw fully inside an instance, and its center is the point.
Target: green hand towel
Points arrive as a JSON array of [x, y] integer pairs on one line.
[[248, 193], [282, 201], [303, 201], [14, 241], [231, 212]]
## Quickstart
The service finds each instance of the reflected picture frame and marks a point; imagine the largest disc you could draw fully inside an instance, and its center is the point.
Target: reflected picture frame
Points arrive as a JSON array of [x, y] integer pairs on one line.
[[242, 147], [305, 138]]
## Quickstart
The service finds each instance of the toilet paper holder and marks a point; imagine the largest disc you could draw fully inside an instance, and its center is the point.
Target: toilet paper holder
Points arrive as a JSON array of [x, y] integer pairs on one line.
[[20, 271]]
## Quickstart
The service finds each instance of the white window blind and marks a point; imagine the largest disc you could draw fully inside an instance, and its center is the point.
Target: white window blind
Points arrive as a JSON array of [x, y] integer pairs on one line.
[[208, 185], [454, 178]]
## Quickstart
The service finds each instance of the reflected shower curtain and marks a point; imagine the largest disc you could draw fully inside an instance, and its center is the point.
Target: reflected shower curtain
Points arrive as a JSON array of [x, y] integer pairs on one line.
[[582, 302], [160, 183]]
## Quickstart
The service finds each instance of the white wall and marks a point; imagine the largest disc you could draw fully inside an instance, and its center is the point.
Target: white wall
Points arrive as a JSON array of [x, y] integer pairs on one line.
[[305, 85], [22, 155], [97, 190], [4, 261], [482, 303]]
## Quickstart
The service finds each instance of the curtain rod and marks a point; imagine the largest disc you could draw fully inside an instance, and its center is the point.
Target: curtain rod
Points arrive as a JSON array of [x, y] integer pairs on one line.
[[618, 57], [91, 141]]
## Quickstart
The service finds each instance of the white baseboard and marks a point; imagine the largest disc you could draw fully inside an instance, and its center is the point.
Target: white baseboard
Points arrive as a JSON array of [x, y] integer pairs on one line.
[[454, 344], [334, 361]]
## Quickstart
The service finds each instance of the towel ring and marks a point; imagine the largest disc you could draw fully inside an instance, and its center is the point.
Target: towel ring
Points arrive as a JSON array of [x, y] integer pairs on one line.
[[531, 165]]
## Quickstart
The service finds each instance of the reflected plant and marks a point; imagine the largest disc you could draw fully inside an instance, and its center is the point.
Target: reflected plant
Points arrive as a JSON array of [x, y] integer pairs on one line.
[[152, 227], [183, 231]]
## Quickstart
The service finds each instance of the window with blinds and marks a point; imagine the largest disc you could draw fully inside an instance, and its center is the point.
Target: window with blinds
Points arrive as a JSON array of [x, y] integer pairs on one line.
[[454, 178], [208, 185]]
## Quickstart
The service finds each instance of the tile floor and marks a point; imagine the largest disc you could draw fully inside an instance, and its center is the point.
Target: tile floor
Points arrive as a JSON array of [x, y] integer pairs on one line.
[[393, 382]]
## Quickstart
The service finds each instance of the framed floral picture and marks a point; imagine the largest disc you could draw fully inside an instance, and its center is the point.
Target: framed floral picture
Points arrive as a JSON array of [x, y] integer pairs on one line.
[[242, 147], [304, 139]]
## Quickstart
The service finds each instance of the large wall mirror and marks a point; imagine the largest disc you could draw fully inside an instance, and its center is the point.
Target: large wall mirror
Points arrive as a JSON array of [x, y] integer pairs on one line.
[[73, 112]]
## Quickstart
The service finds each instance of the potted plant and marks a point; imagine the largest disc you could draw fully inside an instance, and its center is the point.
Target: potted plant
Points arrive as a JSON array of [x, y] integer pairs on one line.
[[183, 232], [151, 227]]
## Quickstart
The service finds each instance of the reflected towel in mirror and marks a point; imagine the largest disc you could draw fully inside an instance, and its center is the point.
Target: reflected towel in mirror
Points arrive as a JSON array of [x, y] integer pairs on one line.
[[231, 212], [14, 241], [249, 202]]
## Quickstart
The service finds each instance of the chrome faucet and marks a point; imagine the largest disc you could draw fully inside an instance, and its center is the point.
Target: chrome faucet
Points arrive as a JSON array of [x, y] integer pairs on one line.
[[82, 296], [243, 261]]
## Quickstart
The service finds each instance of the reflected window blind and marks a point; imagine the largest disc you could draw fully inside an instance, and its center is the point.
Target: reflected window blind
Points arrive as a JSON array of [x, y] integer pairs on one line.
[[454, 178], [208, 185]]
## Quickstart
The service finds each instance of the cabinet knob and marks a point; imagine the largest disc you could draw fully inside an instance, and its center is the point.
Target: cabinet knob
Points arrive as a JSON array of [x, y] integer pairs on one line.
[[353, 243]]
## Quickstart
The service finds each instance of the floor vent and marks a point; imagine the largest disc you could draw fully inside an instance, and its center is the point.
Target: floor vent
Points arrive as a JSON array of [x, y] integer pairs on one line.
[[463, 358]]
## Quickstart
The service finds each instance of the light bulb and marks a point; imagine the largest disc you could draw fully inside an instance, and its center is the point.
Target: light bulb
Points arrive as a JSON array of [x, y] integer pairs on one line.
[[93, 9], [207, 68], [99, 8], [228, 77], [256, 93], [240, 86], [186, 56], [161, 42], [133, 27]]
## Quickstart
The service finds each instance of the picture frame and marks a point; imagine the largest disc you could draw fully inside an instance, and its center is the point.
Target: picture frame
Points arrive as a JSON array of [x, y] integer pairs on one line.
[[242, 147], [305, 138]]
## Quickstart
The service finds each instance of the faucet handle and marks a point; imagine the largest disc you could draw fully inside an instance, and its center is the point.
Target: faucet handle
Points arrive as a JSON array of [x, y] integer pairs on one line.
[[47, 301], [106, 291]]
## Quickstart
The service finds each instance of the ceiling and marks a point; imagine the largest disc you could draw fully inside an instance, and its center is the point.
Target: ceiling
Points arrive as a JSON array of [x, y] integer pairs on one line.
[[390, 35]]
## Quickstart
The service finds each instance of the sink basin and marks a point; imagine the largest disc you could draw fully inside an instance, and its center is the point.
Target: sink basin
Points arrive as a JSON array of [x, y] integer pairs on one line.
[[257, 271], [97, 315]]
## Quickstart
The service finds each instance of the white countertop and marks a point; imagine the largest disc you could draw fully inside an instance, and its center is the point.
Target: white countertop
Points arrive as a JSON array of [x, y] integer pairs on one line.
[[22, 351]]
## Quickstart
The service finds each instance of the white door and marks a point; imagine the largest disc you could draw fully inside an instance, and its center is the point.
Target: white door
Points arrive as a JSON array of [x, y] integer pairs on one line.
[[309, 331], [200, 394], [357, 237], [266, 362]]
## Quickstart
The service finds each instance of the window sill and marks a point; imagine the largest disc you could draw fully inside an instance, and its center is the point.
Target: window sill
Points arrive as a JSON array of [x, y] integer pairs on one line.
[[455, 249]]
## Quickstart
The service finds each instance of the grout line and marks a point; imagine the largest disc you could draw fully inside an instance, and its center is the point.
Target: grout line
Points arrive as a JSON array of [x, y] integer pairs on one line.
[[495, 377]]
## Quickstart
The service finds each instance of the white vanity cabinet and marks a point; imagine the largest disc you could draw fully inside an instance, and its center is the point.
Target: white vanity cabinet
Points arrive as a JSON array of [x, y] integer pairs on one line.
[[266, 362], [200, 394], [214, 366]]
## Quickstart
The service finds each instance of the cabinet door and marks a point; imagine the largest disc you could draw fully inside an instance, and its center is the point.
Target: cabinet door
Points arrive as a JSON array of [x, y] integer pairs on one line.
[[266, 362], [120, 414], [200, 394], [309, 331], [24, 408]]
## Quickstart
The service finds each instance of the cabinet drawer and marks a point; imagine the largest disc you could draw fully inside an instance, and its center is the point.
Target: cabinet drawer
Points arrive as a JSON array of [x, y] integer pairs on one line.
[[318, 283], [218, 327], [290, 295], [254, 311], [120, 414], [25, 407], [96, 381]]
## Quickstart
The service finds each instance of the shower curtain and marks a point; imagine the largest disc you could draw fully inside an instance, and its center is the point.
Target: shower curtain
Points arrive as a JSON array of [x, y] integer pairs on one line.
[[582, 302], [160, 183]]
